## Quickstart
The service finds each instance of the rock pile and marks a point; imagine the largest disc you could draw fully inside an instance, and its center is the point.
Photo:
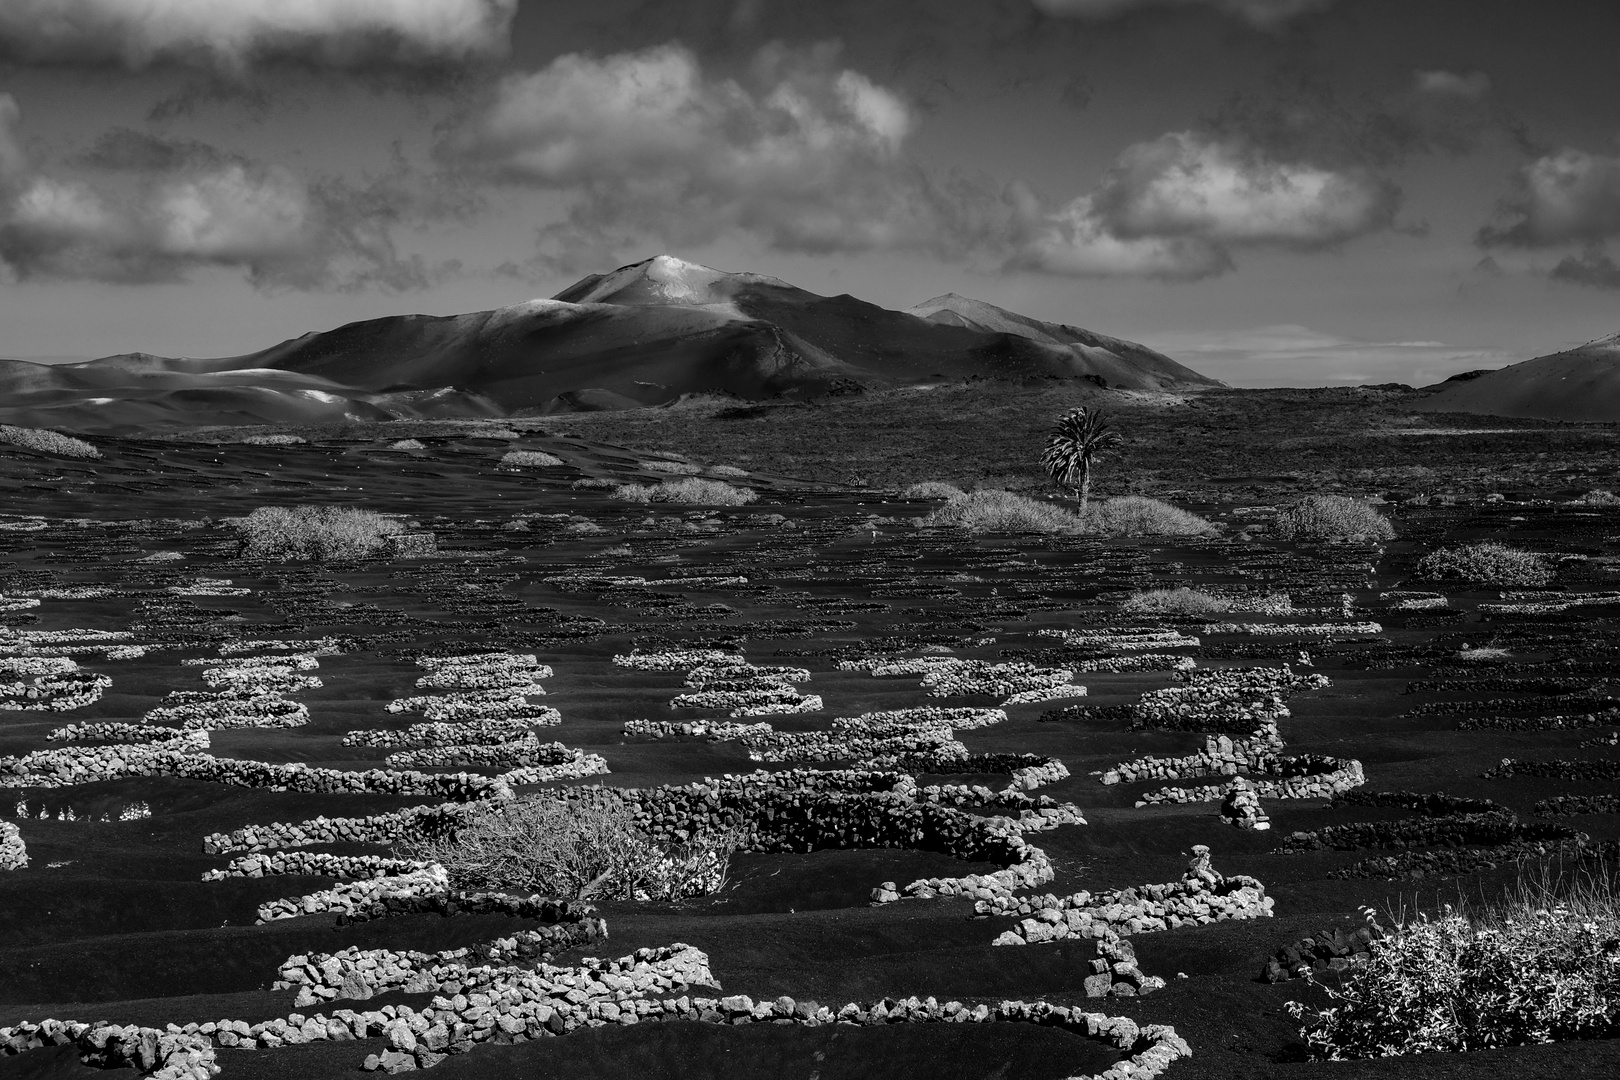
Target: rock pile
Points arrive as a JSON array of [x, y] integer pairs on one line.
[[1324, 956], [13, 852], [1241, 807], [1114, 972]]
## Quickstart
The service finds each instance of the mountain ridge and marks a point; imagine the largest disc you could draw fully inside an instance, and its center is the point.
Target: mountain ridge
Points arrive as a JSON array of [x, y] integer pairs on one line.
[[645, 333]]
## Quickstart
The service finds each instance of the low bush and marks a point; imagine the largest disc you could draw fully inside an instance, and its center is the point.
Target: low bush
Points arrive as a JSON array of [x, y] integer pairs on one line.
[[573, 851], [282, 534], [1332, 517], [994, 511], [518, 458], [1597, 497], [1182, 601], [274, 440], [1486, 563], [726, 470], [679, 468], [931, 489], [688, 489], [407, 444], [1137, 515], [48, 442], [1542, 966]]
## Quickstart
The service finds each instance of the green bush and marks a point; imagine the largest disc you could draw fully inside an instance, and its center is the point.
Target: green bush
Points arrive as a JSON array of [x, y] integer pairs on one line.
[[688, 489], [1137, 515], [1543, 967], [931, 489], [544, 845], [515, 459], [1332, 517], [48, 442], [994, 511], [1182, 601], [282, 534], [1487, 563]]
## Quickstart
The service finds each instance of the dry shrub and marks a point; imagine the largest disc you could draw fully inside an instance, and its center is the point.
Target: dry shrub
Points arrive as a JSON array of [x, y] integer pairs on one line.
[[1540, 966], [680, 468], [726, 470], [515, 459], [1182, 601], [47, 442], [283, 534], [1487, 563], [596, 483], [995, 511], [689, 489], [1137, 515], [541, 844], [931, 489], [1597, 497], [274, 440], [1332, 517]]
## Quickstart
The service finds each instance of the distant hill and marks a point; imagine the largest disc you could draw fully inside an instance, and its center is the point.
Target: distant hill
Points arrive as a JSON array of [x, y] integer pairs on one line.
[[644, 334], [1577, 385]]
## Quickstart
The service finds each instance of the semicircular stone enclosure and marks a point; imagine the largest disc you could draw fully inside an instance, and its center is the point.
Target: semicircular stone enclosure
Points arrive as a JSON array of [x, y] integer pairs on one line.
[[907, 800]]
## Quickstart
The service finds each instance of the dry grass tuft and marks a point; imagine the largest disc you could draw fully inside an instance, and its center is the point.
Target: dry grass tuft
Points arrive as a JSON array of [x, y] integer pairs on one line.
[[516, 459], [1137, 515], [993, 511]]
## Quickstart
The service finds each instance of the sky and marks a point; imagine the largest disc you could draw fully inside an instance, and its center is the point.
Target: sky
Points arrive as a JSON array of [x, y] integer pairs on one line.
[[1274, 192]]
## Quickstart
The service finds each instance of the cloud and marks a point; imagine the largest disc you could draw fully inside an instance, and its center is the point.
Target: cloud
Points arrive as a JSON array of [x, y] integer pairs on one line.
[[800, 152], [1175, 207], [1568, 197], [1592, 267], [230, 35], [1261, 13], [137, 209], [1291, 355], [1473, 86]]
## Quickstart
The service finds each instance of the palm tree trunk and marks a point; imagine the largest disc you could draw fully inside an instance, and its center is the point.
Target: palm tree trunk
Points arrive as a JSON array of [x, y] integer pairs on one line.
[[1085, 485]]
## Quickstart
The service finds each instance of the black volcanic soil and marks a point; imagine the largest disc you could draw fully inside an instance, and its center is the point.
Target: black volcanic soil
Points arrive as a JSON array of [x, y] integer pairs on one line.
[[123, 928]]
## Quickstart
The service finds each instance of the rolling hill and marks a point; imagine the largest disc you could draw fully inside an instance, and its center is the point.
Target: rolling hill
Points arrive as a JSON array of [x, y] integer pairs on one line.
[[1579, 385], [644, 334]]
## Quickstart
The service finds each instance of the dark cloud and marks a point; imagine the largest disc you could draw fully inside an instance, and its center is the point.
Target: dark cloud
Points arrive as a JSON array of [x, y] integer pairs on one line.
[[230, 35], [1262, 13], [1592, 267], [136, 208]]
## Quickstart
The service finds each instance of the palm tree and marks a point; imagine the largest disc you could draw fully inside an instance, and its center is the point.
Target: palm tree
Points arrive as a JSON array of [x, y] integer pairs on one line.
[[1078, 440]]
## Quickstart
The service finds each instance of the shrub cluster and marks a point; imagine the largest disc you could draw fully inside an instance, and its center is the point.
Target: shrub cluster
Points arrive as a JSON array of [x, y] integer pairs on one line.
[[285, 534], [688, 489], [1332, 517], [48, 442], [1486, 563]]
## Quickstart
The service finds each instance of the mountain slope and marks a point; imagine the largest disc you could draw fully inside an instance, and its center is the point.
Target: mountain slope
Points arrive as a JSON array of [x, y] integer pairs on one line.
[[643, 334], [1580, 385]]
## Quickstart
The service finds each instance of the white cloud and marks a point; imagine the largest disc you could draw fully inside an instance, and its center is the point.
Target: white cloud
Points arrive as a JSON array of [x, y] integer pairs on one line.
[[1184, 184], [1176, 207], [140, 209], [1263, 13], [230, 34], [1075, 242], [1568, 197], [802, 153]]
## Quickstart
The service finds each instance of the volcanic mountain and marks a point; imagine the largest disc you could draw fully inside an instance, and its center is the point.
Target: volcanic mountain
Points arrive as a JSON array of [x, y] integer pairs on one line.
[[642, 335], [1576, 385]]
